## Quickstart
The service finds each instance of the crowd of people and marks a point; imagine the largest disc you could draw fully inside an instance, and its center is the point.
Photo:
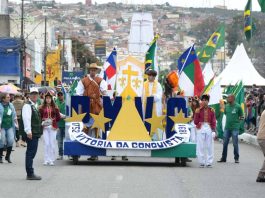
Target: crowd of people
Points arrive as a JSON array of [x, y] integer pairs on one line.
[[25, 119]]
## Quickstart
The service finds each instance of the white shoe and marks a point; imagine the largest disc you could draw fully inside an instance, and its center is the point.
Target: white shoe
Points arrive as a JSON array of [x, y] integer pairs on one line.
[[52, 164], [46, 163]]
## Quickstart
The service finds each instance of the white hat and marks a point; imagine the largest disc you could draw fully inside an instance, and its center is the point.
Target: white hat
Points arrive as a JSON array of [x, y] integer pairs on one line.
[[33, 89]]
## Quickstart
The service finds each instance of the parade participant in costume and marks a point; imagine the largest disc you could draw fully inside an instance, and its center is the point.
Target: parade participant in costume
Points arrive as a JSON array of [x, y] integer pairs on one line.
[[8, 123], [93, 87], [152, 88], [50, 115], [61, 124], [234, 114], [31, 125], [205, 122]]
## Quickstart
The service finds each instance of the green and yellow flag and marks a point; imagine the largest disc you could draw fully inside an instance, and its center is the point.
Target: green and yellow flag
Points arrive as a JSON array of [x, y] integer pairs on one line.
[[248, 20], [208, 87], [215, 41], [150, 55]]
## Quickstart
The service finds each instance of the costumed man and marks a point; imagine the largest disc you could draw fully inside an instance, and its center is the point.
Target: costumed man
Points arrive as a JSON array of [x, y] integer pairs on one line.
[[94, 87], [152, 88], [205, 122]]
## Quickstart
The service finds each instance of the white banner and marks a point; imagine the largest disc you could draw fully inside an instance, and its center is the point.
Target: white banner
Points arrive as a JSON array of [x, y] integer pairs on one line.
[[181, 135]]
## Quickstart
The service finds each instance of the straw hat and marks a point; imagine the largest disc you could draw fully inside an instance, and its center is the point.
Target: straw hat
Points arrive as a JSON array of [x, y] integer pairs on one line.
[[93, 66]]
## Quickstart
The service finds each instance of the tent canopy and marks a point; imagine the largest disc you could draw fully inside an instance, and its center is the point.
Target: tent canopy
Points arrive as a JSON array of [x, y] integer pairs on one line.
[[239, 68]]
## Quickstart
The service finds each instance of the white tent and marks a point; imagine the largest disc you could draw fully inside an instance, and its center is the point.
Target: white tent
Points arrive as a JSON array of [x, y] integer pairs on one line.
[[207, 73], [239, 68]]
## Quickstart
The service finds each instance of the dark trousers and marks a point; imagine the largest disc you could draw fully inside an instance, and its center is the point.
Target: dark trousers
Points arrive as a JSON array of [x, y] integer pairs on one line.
[[60, 137], [23, 137], [32, 147], [226, 138]]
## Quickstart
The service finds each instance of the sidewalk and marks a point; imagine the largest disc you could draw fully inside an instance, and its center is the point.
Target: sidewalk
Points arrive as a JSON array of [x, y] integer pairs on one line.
[[249, 139]]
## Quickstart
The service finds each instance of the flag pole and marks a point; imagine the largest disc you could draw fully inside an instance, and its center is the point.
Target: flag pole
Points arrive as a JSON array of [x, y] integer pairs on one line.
[[186, 59], [224, 40]]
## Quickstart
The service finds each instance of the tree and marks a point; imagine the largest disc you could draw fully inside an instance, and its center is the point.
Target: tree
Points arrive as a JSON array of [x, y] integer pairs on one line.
[[255, 48], [235, 34], [82, 53], [204, 30]]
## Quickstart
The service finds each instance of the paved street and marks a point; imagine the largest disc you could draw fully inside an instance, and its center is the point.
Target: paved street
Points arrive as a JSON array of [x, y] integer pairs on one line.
[[145, 179]]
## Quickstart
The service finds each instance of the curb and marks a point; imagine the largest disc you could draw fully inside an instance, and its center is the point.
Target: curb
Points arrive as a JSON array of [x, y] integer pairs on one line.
[[248, 138]]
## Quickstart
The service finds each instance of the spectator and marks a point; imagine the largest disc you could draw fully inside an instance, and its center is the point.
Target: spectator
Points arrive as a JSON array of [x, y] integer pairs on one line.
[[8, 123], [61, 124], [18, 104], [261, 141]]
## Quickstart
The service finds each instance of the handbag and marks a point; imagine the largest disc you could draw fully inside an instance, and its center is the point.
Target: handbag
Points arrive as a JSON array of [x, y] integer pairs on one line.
[[47, 122]]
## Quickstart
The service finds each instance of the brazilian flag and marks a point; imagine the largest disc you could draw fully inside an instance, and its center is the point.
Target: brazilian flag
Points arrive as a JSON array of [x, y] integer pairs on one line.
[[248, 20], [150, 55], [215, 41]]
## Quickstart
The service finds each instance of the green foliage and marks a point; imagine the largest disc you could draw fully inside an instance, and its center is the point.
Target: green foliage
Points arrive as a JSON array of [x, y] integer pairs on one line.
[[83, 54], [235, 33], [204, 30]]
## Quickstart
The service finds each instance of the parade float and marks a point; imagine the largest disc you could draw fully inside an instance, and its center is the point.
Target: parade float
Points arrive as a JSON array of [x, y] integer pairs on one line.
[[126, 125]]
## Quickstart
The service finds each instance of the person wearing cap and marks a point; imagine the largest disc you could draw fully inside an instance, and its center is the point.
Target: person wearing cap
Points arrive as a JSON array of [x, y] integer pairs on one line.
[[234, 115], [152, 88], [50, 115], [8, 125], [61, 124], [31, 126], [94, 87], [205, 122]]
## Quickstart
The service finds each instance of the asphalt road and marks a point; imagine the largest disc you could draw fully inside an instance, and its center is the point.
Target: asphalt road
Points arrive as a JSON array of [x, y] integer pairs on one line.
[[139, 177]]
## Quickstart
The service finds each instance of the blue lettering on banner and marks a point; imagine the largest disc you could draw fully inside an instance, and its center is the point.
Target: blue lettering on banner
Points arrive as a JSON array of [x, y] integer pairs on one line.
[[119, 145], [76, 133]]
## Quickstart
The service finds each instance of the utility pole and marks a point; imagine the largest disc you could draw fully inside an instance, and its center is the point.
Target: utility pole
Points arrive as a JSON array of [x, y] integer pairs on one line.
[[62, 57], [224, 41], [45, 50], [22, 46]]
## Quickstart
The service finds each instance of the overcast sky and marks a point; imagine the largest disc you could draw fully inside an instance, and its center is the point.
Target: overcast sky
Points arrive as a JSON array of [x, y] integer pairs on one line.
[[232, 4]]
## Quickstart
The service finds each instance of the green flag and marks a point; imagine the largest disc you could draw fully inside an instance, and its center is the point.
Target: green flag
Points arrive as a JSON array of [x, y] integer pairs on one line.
[[208, 87], [262, 5], [248, 20], [72, 88], [150, 55], [215, 41], [239, 93]]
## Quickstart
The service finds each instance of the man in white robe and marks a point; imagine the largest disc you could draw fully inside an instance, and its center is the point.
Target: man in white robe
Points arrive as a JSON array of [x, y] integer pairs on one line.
[[152, 88]]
